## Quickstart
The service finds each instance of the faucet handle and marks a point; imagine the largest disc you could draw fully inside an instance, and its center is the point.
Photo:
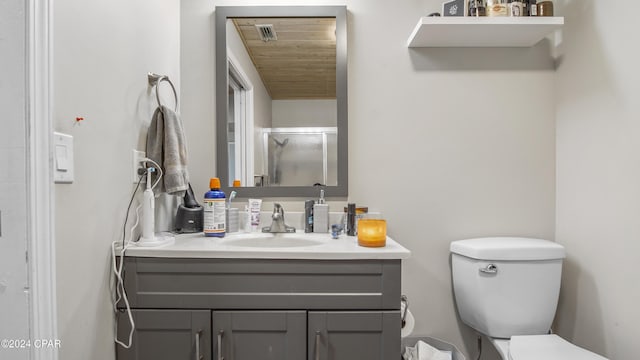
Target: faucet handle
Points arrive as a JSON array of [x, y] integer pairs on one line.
[[277, 210]]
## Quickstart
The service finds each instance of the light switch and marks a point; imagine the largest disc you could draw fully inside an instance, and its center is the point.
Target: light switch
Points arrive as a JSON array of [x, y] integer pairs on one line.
[[62, 164], [63, 158]]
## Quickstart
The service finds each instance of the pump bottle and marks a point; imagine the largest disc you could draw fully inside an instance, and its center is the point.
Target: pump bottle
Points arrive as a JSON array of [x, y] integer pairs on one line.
[[321, 215]]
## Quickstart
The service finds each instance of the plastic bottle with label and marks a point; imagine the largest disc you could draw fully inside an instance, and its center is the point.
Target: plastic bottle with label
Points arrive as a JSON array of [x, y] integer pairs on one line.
[[214, 210]]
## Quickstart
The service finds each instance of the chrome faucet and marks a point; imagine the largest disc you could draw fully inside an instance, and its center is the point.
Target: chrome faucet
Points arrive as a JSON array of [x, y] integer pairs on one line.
[[277, 223]]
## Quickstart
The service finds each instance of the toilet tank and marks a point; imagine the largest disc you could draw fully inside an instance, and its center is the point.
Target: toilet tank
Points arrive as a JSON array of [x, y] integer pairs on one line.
[[506, 286]]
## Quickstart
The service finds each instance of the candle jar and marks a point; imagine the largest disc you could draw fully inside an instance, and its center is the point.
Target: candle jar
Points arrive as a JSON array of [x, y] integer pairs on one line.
[[545, 8], [372, 232], [497, 8]]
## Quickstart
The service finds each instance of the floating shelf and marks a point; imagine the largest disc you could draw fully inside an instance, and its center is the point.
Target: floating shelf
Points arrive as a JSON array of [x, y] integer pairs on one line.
[[434, 31]]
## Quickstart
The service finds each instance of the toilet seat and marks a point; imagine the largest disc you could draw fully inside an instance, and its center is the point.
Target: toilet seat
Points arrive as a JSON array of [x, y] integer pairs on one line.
[[548, 347]]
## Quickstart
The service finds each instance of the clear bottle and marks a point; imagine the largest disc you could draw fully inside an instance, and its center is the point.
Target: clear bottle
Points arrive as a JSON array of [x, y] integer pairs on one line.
[[517, 8], [533, 8], [214, 210], [481, 8]]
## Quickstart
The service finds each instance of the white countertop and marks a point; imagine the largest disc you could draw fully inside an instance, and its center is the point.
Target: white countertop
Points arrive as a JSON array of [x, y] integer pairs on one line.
[[299, 245]]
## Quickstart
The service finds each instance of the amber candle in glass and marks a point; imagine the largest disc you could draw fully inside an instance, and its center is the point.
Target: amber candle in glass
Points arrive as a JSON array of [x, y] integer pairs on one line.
[[372, 232]]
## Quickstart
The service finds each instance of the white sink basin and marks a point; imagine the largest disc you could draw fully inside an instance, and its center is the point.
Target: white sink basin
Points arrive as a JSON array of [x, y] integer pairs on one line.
[[276, 241]]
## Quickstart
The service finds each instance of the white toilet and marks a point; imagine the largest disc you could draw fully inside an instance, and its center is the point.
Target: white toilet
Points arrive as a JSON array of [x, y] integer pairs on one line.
[[507, 289]]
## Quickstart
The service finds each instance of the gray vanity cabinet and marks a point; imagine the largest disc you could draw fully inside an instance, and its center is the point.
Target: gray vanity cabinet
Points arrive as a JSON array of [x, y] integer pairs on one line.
[[262, 309], [347, 335], [264, 335], [166, 334]]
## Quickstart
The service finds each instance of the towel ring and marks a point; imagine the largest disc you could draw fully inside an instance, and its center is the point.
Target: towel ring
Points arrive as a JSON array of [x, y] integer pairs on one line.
[[155, 80]]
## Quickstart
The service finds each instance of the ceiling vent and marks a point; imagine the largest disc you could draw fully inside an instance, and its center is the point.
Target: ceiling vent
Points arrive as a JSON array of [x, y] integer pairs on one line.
[[266, 32]]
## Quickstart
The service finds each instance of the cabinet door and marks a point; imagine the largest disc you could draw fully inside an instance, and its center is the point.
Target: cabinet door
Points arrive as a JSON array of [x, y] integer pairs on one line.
[[166, 335], [338, 335], [259, 335]]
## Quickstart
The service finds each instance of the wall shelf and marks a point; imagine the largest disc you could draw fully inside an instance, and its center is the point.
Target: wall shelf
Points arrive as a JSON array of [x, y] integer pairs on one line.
[[435, 31]]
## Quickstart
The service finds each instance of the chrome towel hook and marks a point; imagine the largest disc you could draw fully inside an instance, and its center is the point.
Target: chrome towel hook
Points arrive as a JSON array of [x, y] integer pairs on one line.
[[155, 80]]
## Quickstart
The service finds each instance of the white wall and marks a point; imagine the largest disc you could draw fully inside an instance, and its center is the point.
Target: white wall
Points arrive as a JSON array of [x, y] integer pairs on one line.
[[198, 90], [14, 301], [444, 141], [598, 177], [103, 52], [301, 113]]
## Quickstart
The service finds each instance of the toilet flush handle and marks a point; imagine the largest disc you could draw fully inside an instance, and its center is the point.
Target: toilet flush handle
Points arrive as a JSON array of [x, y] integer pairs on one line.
[[489, 269]]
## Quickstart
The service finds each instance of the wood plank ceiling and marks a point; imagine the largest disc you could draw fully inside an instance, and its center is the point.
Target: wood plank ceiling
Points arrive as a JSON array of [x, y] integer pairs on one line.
[[301, 63]]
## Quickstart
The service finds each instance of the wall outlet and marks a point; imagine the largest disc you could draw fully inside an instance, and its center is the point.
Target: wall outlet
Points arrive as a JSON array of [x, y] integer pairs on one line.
[[137, 164]]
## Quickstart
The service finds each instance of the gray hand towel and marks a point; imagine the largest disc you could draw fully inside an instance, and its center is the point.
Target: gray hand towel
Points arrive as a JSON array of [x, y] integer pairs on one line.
[[166, 145]]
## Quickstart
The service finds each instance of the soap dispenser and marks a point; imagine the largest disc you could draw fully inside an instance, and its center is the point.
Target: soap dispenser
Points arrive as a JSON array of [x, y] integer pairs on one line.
[[321, 215]]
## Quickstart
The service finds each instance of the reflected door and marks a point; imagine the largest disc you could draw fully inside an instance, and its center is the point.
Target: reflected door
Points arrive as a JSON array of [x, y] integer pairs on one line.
[[239, 120]]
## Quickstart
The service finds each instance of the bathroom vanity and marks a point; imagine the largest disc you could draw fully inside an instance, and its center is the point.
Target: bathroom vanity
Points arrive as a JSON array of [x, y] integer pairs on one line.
[[263, 296]]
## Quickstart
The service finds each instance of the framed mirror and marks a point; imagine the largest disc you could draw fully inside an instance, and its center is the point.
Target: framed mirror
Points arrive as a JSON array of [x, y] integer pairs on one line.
[[281, 100]]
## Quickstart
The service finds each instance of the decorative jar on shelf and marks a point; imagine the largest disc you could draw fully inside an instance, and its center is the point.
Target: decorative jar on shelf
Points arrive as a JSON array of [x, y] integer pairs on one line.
[[477, 8], [497, 8]]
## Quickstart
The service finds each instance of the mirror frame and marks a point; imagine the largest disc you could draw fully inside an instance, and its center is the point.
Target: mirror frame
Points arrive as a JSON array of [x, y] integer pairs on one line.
[[222, 13]]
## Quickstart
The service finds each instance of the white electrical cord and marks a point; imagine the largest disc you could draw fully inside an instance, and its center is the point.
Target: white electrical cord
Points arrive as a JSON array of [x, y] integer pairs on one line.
[[121, 294]]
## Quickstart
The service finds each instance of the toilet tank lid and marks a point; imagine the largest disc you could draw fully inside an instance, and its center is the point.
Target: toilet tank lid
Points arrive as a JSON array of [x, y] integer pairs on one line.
[[508, 248]]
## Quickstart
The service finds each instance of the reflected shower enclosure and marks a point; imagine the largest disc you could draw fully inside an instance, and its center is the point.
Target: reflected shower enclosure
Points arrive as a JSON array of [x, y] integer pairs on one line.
[[304, 156]]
